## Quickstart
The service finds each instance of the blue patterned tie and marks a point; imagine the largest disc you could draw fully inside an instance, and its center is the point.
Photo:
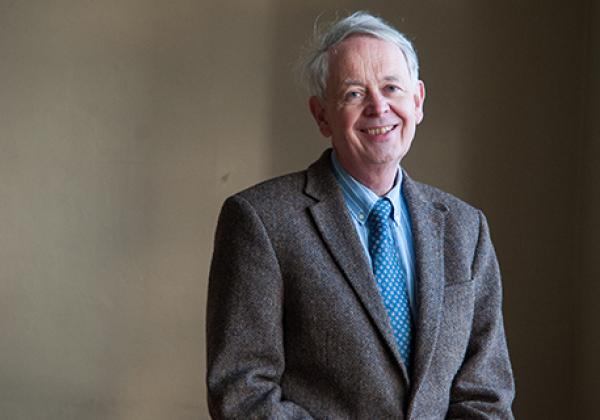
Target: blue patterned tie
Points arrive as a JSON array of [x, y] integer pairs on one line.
[[390, 276]]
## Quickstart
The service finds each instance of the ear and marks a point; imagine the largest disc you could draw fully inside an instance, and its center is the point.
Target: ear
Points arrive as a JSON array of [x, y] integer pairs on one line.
[[317, 109], [419, 99]]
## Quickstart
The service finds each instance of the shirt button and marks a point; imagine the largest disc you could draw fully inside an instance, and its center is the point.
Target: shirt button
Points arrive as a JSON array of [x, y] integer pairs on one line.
[[361, 216]]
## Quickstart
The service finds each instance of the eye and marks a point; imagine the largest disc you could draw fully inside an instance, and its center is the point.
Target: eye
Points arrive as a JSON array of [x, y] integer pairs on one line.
[[393, 89], [353, 96]]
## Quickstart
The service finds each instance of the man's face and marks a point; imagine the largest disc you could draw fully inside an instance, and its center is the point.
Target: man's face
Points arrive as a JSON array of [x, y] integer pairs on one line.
[[371, 106]]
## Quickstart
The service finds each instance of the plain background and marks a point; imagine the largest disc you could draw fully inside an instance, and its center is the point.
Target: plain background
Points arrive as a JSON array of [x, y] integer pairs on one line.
[[125, 123]]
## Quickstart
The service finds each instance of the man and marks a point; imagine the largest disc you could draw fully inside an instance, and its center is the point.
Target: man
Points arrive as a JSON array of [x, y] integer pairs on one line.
[[349, 290]]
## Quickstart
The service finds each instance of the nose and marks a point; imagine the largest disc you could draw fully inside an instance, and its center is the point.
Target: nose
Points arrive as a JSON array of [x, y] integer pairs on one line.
[[377, 104]]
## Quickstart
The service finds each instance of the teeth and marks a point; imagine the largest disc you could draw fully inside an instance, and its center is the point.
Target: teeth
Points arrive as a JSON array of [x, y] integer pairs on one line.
[[380, 130]]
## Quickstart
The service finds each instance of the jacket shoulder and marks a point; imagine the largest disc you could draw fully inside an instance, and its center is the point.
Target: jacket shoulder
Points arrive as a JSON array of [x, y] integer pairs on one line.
[[282, 193], [463, 219], [445, 200]]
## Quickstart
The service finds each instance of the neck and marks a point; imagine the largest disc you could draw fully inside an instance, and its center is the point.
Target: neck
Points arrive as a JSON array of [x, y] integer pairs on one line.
[[378, 178], [380, 184]]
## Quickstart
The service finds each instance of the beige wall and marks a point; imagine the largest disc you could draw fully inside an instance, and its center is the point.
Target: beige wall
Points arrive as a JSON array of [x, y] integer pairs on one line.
[[124, 124]]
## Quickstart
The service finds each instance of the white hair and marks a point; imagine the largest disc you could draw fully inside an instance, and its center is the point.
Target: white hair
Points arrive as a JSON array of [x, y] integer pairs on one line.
[[315, 64]]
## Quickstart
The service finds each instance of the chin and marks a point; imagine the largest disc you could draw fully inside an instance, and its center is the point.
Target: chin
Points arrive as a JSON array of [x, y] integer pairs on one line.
[[384, 159]]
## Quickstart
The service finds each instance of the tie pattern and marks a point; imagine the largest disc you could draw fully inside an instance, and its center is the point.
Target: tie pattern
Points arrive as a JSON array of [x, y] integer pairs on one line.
[[390, 276]]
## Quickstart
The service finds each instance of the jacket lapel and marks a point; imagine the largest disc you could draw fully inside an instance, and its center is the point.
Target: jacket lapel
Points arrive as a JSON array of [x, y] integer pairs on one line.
[[340, 237], [427, 220]]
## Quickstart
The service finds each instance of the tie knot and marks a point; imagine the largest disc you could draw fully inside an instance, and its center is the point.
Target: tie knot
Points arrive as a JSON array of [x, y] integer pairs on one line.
[[380, 211]]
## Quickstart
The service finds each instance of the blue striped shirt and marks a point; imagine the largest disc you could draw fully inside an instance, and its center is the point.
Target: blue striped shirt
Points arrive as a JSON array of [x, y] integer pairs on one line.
[[359, 201]]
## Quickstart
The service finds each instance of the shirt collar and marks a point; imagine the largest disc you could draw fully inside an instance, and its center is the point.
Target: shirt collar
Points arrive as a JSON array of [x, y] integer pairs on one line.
[[359, 198]]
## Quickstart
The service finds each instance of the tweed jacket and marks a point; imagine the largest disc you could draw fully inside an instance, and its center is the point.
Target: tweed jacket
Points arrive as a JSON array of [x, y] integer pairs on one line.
[[296, 328]]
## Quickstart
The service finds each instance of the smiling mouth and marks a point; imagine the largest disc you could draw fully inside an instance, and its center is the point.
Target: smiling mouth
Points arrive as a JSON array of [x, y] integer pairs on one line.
[[377, 131]]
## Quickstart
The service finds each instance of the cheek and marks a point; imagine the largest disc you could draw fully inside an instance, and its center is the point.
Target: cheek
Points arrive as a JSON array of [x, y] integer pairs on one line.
[[406, 110], [351, 120], [345, 121]]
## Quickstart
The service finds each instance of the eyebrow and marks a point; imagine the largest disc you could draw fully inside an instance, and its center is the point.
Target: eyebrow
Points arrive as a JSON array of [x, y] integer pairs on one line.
[[351, 82]]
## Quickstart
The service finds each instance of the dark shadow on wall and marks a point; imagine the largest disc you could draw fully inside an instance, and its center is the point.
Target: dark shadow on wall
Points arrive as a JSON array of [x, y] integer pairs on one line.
[[587, 347], [522, 145]]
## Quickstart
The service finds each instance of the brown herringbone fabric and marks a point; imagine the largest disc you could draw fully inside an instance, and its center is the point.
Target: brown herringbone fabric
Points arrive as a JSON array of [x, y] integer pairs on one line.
[[296, 328]]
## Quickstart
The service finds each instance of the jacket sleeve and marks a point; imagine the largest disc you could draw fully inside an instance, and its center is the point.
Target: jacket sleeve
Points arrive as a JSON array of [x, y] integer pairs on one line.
[[484, 386], [244, 329]]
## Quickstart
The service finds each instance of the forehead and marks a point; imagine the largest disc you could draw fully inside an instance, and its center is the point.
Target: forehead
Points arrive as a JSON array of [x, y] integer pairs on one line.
[[363, 57]]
